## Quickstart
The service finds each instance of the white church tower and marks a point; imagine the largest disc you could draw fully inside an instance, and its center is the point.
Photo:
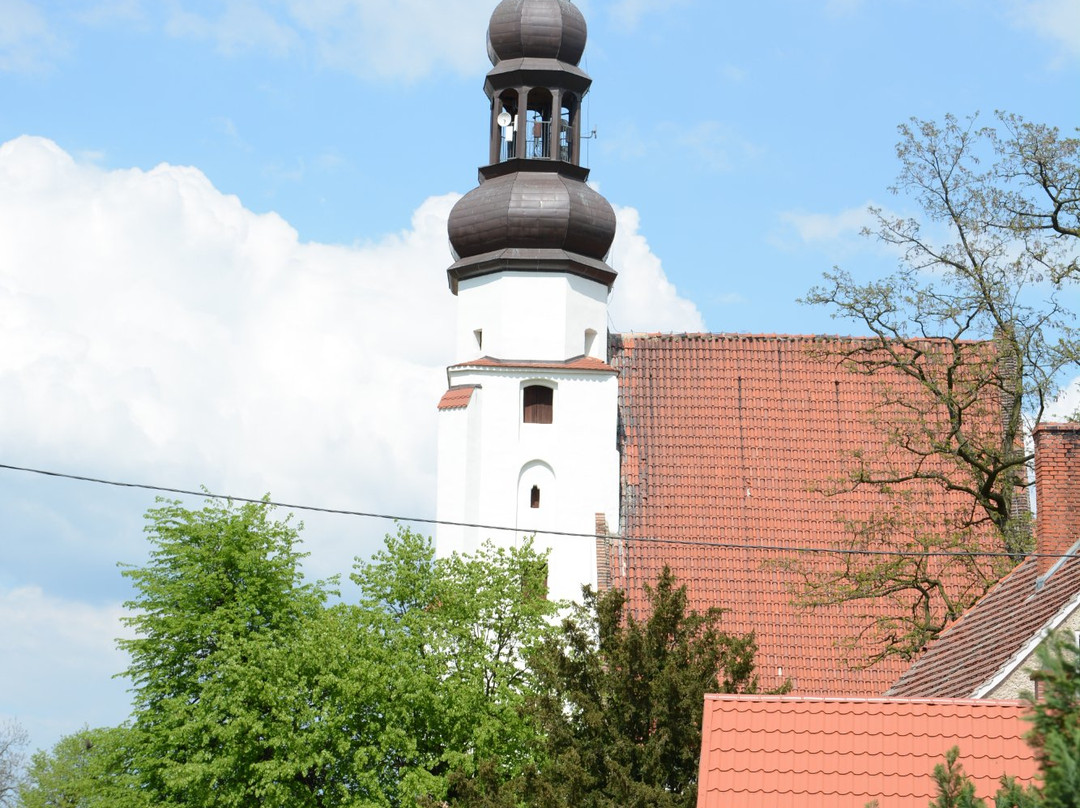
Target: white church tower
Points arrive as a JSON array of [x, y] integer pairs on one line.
[[527, 428]]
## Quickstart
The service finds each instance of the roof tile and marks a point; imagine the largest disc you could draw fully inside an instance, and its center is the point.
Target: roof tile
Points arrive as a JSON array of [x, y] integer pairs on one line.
[[822, 753], [726, 440]]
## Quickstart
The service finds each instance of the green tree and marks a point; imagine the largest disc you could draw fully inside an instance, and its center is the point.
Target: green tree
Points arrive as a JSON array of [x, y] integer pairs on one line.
[[230, 664], [452, 638], [88, 769], [620, 700], [972, 322], [955, 789]]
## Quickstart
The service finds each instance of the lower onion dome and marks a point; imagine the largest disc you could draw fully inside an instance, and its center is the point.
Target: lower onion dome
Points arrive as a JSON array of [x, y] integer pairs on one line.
[[532, 211]]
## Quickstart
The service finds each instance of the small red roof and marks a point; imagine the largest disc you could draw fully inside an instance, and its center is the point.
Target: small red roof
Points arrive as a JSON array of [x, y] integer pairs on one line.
[[577, 363], [457, 398], [765, 751], [725, 442], [986, 640]]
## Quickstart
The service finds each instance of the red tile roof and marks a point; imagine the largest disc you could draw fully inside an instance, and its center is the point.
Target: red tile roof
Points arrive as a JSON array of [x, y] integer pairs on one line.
[[457, 398], [577, 363], [988, 637], [765, 751], [723, 439]]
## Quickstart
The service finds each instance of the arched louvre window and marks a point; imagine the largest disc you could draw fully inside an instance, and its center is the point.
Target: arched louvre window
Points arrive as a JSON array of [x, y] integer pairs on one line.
[[538, 404]]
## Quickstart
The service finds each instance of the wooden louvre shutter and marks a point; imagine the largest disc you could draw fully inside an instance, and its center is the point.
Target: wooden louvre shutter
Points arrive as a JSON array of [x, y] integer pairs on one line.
[[538, 404]]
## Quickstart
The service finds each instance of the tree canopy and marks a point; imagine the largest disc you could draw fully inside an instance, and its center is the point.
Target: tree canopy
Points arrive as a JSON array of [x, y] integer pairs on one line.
[[973, 321], [620, 700], [447, 682]]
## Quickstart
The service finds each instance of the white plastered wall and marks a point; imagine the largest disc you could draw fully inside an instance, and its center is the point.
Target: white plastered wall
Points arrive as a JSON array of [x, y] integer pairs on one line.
[[489, 459], [531, 316]]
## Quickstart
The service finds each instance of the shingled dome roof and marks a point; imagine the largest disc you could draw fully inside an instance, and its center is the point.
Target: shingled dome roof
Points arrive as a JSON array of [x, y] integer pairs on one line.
[[538, 29], [538, 210]]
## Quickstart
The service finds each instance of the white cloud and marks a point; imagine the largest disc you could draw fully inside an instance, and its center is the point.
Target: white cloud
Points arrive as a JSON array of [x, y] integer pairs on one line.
[[59, 657], [243, 26], [829, 227], [712, 145], [1057, 20], [155, 329], [644, 299], [27, 42], [1067, 403], [380, 39]]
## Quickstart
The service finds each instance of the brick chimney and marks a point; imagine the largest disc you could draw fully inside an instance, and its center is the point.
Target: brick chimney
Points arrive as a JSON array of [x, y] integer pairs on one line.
[[1057, 490]]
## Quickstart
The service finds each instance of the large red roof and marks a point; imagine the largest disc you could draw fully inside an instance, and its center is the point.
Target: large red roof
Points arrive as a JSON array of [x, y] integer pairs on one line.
[[726, 441], [764, 751]]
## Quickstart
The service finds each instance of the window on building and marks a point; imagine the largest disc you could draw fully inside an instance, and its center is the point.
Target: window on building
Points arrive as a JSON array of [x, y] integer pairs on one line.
[[537, 404], [478, 334], [534, 497]]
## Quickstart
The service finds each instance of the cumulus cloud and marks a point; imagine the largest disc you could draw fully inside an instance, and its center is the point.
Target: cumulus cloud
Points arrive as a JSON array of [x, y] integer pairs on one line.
[[155, 328], [644, 299]]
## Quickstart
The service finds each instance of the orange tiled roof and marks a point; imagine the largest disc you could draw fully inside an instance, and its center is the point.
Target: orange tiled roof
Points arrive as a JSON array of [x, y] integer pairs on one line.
[[457, 397], [984, 641], [764, 751], [722, 439]]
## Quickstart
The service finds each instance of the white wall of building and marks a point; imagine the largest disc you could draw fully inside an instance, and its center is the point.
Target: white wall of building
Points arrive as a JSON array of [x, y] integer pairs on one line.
[[489, 459], [531, 316]]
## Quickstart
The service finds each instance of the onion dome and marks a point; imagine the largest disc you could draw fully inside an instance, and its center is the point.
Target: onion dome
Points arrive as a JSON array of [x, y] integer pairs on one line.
[[536, 29], [530, 211]]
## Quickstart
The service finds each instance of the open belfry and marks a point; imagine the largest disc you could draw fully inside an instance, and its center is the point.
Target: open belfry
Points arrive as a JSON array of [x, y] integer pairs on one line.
[[709, 453]]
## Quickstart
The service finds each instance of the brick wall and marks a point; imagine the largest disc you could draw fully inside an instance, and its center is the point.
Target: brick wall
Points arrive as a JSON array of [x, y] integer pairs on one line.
[[1057, 490]]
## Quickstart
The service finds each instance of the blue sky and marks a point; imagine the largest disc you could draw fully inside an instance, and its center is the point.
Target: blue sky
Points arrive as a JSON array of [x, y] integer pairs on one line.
[[222, 241]]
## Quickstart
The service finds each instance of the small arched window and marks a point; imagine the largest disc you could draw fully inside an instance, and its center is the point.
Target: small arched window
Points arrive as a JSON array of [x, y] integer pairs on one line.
[[537, 404], [534, 497]]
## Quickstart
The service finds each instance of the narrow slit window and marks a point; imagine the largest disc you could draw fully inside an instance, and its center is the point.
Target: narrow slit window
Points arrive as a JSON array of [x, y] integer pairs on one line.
[[537, 404], [534, 497], [479, 334]]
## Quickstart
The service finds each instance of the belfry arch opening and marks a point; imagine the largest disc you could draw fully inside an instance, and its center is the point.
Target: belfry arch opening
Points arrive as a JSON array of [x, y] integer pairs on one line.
[[545, 127]]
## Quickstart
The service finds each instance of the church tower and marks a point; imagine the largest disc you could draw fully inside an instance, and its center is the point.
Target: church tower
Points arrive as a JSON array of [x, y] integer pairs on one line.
[[527, 428]]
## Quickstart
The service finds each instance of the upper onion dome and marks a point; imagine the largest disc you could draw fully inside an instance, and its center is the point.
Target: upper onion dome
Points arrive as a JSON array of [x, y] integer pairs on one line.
[[539, 29], [528, 210]]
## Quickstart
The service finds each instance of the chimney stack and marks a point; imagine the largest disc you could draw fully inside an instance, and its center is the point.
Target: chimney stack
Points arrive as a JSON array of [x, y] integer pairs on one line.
[[1057, 491]]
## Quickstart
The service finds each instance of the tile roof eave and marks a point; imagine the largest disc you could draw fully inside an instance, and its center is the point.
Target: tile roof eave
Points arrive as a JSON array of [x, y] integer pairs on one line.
[[1017, 659], [578, 364]]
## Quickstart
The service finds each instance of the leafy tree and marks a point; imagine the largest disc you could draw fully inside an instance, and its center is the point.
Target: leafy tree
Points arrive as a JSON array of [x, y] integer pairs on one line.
[[972, 322], [620, 700], [230, 664], [453, 634], [13, 739], [88, 769]]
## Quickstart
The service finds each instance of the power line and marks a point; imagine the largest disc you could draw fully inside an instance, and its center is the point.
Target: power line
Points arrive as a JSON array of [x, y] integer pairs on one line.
[[706, 543]]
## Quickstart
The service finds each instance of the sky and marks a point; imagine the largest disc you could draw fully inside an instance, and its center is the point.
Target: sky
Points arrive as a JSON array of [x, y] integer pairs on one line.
[[223, 243]]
